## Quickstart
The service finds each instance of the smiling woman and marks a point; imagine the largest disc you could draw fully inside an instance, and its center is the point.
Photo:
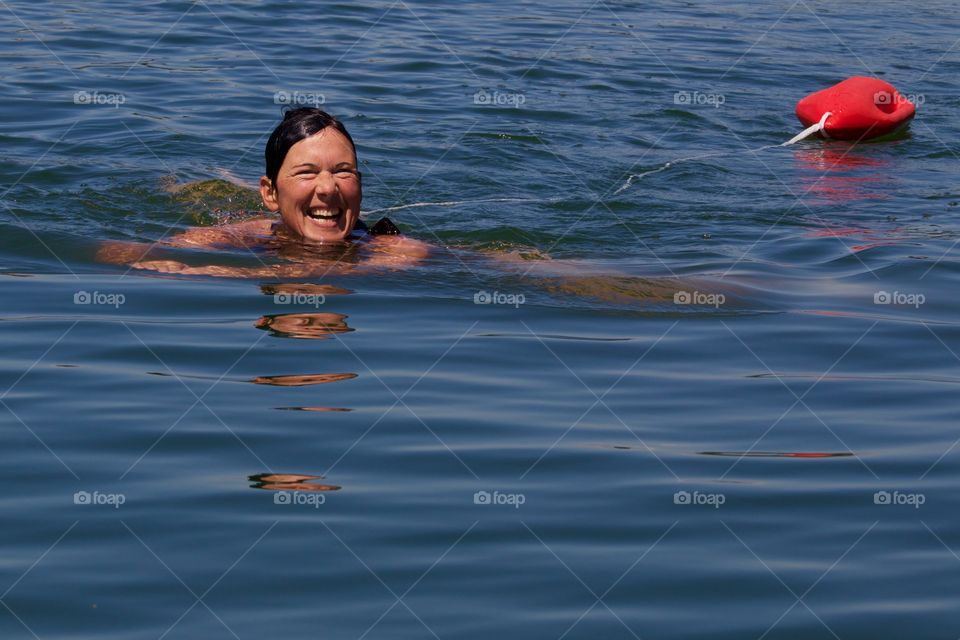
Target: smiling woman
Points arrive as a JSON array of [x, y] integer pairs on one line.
[[312, 182], [311, 176]]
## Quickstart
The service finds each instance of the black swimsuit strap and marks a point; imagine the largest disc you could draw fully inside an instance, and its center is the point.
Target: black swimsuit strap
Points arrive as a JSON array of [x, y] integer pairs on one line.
[[383, 227]]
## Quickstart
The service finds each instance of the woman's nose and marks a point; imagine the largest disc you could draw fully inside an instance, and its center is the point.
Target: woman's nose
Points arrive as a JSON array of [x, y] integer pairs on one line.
[[325, 184]]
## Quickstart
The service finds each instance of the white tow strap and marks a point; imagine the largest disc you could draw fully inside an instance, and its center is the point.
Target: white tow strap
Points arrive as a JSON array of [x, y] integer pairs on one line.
[[809, 131]]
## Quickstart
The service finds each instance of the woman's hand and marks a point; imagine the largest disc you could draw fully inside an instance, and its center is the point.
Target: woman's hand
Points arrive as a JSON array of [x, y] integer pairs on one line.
[[117, 252], [397, 252]]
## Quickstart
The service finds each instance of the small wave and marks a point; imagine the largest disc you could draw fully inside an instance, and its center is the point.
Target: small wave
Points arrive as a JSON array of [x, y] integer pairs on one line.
[[778, 454], [550, 336], [859, 377]]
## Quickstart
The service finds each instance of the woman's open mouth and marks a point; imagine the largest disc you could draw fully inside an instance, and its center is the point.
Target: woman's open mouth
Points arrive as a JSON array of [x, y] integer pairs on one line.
[[324, 217]]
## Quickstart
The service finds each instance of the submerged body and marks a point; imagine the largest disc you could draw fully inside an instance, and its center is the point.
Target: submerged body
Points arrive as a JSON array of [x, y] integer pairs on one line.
[[267, 239], [311, 181]]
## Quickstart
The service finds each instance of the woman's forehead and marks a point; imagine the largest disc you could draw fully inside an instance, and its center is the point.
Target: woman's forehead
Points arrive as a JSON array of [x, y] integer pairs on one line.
[[327, 145]]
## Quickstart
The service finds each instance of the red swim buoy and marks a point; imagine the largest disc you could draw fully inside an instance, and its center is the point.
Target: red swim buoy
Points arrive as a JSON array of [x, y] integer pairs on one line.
[[860, 108]]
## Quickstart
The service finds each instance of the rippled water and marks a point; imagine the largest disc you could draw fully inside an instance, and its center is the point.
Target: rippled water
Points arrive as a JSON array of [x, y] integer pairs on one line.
[[194, 458]]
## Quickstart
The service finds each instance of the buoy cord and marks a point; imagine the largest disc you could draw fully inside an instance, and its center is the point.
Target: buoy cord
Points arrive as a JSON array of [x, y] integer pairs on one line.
[[637, 176], [809, 131], [454, 203]]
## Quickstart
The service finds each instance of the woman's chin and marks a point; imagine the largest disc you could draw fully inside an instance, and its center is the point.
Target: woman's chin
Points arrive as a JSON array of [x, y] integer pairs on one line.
[[325, 239]]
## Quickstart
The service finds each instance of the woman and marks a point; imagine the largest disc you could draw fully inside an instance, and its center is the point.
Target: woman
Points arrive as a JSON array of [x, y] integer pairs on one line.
[[312, 182]]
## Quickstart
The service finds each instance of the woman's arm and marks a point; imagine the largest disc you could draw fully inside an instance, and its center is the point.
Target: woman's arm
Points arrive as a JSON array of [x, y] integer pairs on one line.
[[290, 270], [242, 235]]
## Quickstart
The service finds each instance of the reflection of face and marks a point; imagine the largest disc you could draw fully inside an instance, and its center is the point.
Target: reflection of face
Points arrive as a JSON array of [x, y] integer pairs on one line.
[[318, 190], [303, 288], [289, 482], [304, 325]]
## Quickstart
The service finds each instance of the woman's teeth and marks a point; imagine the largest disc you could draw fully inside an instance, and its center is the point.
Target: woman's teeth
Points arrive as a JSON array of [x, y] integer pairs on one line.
[[323, 214]]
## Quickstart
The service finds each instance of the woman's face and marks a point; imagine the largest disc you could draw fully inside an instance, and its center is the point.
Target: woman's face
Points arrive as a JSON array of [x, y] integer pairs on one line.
[[317, 191]]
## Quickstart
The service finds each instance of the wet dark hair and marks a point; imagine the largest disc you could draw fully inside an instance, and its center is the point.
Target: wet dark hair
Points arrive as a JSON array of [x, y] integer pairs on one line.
[[298, 124]]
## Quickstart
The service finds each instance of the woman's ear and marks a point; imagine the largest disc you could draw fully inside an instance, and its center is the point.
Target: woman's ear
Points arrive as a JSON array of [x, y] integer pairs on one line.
[[268, 194]]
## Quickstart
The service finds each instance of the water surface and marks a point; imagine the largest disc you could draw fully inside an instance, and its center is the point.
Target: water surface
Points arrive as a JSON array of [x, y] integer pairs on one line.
[[203, 458]]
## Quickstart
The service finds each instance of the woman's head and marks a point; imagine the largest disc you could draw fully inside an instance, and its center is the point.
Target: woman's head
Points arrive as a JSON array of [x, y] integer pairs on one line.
[[311, 176]]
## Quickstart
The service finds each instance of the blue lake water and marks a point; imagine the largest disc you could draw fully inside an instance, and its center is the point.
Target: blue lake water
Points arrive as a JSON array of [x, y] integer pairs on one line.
[[378, 456]]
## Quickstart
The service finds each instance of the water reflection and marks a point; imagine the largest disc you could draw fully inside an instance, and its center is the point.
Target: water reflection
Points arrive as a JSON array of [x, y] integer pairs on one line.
[[303, 288], [307, 326], [868, 238], [298, 380], [289, 482], [839, 172], [319, 409], [303, 379]]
